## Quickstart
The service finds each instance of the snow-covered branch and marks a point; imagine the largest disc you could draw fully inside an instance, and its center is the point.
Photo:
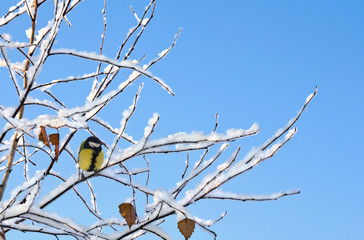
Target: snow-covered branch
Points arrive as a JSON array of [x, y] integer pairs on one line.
[[120, 64], [219, 194], [15, 11], [29, 206]]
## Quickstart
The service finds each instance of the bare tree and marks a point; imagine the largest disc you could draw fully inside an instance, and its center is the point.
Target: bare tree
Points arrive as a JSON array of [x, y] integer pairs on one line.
[[24, 141]]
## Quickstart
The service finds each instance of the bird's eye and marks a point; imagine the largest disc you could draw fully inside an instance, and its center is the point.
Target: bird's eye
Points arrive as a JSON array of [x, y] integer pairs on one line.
[[94, 145]]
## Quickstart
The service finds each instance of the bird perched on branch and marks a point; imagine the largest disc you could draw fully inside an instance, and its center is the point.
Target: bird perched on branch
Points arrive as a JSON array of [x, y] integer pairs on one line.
[[90, 154]]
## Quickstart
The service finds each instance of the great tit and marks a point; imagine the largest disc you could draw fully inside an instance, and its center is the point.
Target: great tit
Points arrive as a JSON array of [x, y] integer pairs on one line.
[[90, 154]]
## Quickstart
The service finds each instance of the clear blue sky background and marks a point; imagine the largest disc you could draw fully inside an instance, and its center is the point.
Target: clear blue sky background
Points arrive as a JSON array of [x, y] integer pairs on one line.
[[253, 61]]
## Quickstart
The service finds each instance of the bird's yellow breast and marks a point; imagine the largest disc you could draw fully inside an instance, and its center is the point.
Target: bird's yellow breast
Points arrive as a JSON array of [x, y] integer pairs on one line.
[[85, 160]]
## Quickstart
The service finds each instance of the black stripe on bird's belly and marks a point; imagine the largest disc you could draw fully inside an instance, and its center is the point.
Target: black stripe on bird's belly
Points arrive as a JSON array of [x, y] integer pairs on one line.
[[95, 153]]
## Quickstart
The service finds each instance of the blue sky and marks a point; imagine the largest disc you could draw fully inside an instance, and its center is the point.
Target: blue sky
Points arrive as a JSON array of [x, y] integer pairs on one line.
[[250, 61]]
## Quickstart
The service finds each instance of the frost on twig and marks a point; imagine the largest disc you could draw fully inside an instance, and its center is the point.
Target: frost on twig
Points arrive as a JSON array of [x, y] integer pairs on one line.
[[128, 157]]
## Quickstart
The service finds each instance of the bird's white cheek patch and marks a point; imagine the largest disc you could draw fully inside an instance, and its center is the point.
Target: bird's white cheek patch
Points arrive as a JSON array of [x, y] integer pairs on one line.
[[94, 145]]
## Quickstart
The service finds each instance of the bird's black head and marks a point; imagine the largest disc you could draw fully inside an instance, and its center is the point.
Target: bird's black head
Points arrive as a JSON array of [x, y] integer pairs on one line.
[[93, 143]]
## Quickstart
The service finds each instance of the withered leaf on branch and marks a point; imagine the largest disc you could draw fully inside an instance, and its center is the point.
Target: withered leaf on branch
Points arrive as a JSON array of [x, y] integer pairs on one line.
[[43, 136], [54, 139], [127, 211], [186, 227]]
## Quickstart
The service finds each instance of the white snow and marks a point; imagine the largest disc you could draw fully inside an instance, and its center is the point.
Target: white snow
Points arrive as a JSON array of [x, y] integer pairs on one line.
[[163, 196], [130, 31], [11, 9], [7, 37], [163, 52], [158, 231], [197, 139], [13, 44], [59, 189], [28, 32], [31, 100], [151, 122], [203, 222], [309, 97], [145, 21], [38, 175]]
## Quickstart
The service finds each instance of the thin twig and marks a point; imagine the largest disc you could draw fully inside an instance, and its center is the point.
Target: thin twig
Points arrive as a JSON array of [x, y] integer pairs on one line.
[[12, 76], [187, 160], [216, 122]]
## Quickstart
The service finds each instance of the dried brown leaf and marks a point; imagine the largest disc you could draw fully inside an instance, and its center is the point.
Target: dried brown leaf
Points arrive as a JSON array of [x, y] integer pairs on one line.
[[54, 139], [43, 136], [186, 227], [128, 212]]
